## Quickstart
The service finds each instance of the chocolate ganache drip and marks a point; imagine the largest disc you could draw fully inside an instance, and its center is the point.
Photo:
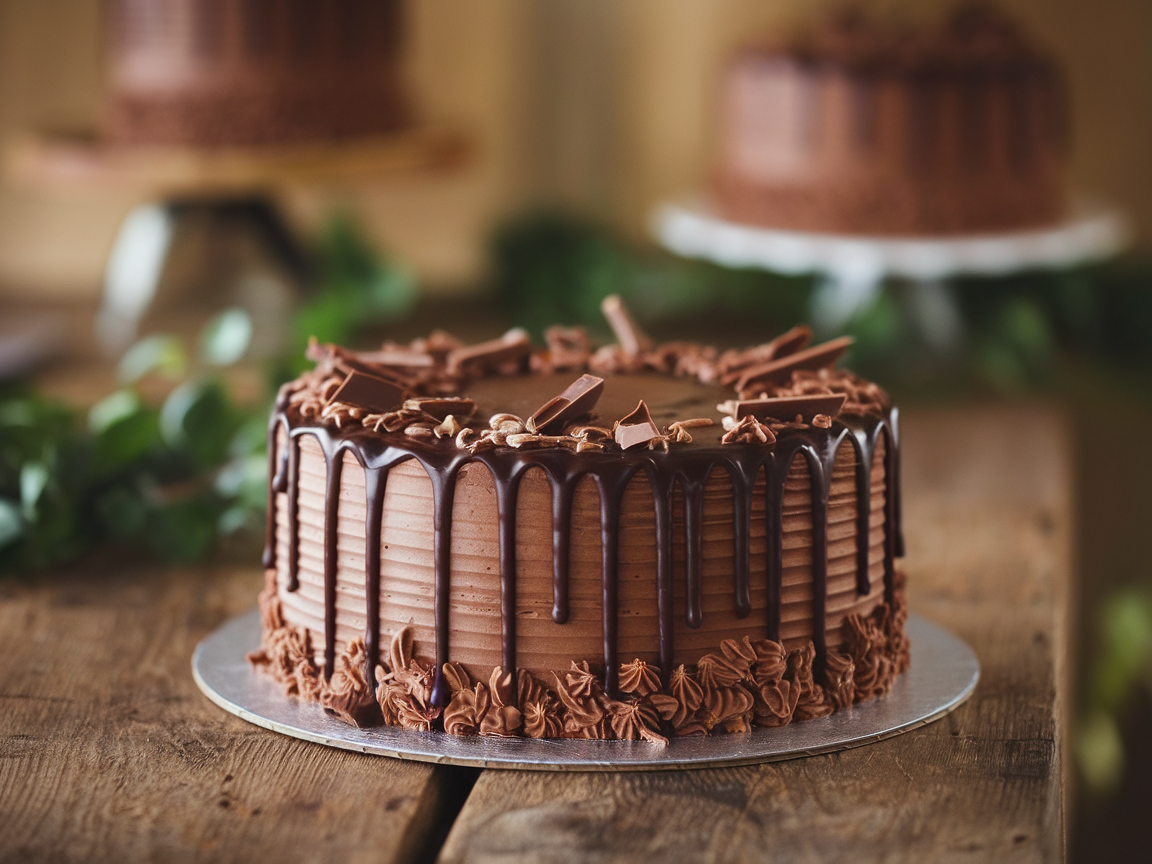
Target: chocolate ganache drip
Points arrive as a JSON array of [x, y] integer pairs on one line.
[[686, 467]]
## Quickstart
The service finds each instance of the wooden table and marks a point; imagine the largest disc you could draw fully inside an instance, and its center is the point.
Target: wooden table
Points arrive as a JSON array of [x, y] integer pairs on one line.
[[108, 751]]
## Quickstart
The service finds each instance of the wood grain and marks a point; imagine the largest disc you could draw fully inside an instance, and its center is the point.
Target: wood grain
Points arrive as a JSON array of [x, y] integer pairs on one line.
[[988, 527], [108, 752]]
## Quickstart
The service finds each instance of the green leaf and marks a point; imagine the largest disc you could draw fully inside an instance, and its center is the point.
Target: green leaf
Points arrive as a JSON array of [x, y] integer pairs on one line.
[[11, 525], [122, 513], [112, 409], [232, 520], [161, 354], [245, 479], [198, 417], [125, 429], [183, 531], [33, 479], [226, 337], [391, 291], [1100, 753]]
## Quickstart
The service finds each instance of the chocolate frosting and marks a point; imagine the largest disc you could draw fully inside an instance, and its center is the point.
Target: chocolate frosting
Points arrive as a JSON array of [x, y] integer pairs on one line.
[[686, 466]]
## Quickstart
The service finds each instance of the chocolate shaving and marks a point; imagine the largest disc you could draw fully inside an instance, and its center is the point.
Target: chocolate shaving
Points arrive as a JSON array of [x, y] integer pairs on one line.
[[822, 356], [630, 337], [789, 408], [578, 399], [512, 347], [637, 428], [377, 395]]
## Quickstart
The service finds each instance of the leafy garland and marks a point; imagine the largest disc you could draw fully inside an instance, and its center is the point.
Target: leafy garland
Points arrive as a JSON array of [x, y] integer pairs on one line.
[[172, 479]]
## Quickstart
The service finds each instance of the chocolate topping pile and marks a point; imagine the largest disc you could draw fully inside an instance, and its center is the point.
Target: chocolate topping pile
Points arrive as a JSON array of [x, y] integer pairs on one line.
[[418, 390]]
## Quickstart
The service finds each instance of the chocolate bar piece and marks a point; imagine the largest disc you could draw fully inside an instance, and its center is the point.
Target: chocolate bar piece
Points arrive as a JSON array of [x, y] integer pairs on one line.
[[578, 399], [788, 408], [637, 428], [734, 363], [818, 357], [376, 395], [513, 345], [630, 337]]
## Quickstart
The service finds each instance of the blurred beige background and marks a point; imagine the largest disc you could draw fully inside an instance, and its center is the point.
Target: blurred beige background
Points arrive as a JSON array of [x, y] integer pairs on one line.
[[602, 106]]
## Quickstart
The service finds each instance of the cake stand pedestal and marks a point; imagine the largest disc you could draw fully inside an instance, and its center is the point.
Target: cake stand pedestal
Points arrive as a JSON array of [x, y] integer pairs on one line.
[[943, 675], [852, 268], [231, 189]]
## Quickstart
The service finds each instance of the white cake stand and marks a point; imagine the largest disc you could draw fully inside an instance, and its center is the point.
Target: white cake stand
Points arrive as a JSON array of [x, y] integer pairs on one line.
[[853, 267]]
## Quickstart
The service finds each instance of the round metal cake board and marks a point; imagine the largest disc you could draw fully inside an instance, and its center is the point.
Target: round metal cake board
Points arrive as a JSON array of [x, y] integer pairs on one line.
[[943, 674]]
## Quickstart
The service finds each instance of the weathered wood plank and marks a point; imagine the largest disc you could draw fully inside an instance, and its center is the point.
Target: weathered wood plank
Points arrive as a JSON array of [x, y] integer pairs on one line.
[[988, 527], [108, 752]]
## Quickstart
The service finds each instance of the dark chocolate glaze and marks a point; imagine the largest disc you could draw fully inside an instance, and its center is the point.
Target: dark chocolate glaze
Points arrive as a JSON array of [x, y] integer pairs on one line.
[[375, 483], [686, 466], [335, 468]]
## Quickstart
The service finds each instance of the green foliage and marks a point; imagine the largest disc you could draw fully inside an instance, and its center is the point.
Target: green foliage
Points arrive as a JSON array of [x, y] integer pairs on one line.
[[131, 473], [170, 479], [1013, 330], [226, 339], [1123, 662], [153, 354], [357, 288], [552, 269]]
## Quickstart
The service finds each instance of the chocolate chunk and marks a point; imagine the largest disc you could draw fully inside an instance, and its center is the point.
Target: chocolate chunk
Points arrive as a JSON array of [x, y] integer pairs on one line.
[[460, 408], [819, 357], [788, 408], [578, 399], [630, 337], [637, 428], [376, 395], [511, 347]]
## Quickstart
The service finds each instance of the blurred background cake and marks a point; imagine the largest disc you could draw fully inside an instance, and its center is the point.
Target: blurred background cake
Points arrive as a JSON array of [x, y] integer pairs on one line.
[[857, 126], [252, 72]]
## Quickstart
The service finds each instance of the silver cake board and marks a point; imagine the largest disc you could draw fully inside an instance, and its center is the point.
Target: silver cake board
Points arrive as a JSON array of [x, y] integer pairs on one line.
[[943, 675]]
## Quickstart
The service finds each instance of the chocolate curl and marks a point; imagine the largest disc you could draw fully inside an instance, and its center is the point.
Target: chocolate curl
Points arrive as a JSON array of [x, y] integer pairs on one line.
[[630, 337], [511, 347], [788, 408], [376, 395], [578, 399], [819, 357], [637, 428]]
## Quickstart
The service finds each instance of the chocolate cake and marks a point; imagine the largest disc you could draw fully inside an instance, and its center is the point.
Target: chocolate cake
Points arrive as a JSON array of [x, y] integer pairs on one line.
[[860, 127], [635, 542], [242, 73]]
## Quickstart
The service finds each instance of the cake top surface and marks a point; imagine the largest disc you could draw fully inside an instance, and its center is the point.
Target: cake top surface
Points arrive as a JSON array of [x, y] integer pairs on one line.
[[627, 396], [974, 36]]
